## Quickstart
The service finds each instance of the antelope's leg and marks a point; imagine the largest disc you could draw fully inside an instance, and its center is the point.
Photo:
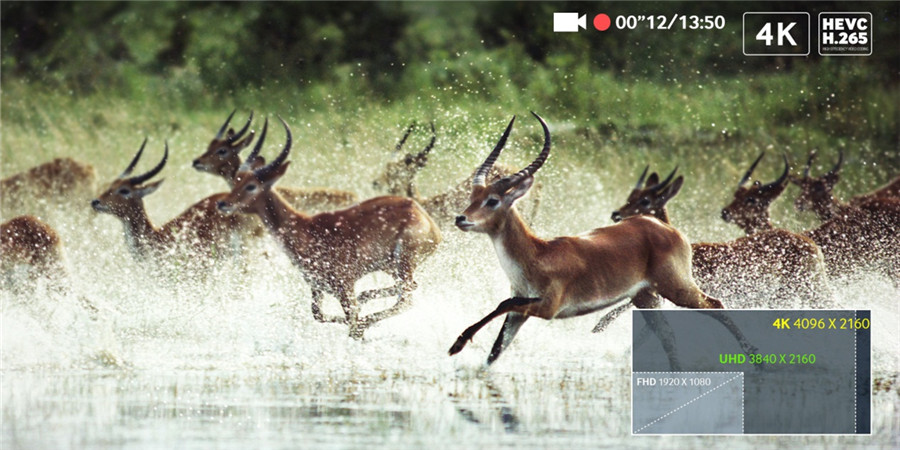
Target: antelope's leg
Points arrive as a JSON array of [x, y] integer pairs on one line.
[[644, 299], [673, 280], [317, 309], [397, 289], [688, 295], [508, 305], [403, 287], [609, 317], [351, 311], [511, 326], [734, 330], [661, 328], [403, 304]]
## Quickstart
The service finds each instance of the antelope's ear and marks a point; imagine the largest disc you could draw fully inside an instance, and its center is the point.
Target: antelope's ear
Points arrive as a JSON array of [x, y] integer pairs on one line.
[[519, 189], [148, 189], [244, 143], [257, 162], [652, 180], [276, 174], [673, 189]]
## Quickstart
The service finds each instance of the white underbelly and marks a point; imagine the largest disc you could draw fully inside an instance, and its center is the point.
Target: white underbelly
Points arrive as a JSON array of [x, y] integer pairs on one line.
[[577, 307]]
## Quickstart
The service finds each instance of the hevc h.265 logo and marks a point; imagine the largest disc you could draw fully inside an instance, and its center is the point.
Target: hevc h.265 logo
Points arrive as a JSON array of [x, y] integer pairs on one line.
[[845, 33], [776, 34]]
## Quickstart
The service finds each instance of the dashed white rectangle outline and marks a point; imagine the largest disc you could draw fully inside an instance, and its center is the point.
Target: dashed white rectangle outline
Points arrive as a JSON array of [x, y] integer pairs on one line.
[[744, 41], [871, 35], [855, 357], [741, 374]]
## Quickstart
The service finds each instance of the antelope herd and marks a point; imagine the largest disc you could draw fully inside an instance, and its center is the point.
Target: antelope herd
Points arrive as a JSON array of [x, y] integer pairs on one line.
[[399, 179], [334, 239]]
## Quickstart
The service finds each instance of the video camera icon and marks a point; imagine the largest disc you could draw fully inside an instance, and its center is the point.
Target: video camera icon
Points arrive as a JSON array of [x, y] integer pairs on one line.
[[569, 22]]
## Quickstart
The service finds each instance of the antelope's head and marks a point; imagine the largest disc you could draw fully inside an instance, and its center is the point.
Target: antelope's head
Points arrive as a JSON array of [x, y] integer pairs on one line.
[[250, 182], [490, 204], [222, 157], [816, 192], [750, 207], [124, 195], [650, 197], [398, 175]]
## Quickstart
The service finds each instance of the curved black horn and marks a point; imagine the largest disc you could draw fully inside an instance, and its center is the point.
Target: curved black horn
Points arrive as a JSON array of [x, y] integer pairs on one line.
[[809, 160], [664, 183], [784, 175], [430, 145], [238, 135], [640, 181], [248, 162], [405, 136], [264, 171], [542, 157], [481, 173], [133, 161], [834, 170], [221, 132], [152, 173], [750, 170]]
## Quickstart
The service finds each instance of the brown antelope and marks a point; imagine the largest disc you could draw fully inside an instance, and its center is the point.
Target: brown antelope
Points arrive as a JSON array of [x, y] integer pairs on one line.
[[399, 176], [335, 249], [776, 257], [222, 158], [816, 193], [27, 242], [749, 209], [572, 276], [399, 179], [60, 182], [861, 236], [200, 229]]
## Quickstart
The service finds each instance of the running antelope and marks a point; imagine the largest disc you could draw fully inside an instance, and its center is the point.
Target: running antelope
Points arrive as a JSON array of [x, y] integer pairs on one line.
[[816, 193], [200, 229], [399, 179], [749, 209], [862, 236], [335, 249], [753, 264], [572, 276], [29, 249], [399, 176], [222, 158]]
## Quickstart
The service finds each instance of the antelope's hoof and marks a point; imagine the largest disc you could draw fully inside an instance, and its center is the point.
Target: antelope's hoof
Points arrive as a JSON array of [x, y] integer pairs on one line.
[[357, 331], [457, 346], [715, 304]]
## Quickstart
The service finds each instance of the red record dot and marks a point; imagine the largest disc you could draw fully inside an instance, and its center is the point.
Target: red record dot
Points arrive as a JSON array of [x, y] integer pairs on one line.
[[601, 22]]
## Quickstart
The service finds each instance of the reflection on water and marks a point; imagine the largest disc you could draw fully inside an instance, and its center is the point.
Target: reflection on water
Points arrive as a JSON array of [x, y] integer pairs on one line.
[[149, 410], [291, 409]]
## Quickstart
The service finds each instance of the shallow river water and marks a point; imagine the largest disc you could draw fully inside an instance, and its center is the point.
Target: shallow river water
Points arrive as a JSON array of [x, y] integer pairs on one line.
[[237, 362]]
